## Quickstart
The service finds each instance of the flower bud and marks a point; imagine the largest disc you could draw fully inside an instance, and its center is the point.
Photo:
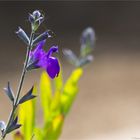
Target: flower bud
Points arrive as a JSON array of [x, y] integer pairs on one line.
[[36, 18], [43, 36], [40, 20], [2, 125], [31, 18], [23, 36], [87, 41], [88, 35], [36, 14]]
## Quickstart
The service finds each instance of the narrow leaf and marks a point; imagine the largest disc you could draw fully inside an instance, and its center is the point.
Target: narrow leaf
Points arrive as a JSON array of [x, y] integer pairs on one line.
[[70, 56], [23, 36], [70, 90], [38, 133], [45, 94], [43, 36], [27, 96], [55, 129], [18, 136], [9, 92], [55, 104], [15, 121], [87, 41], [58, 82], [12, 128], [86, 60], [27, 120], [14, 125], [32, 65]]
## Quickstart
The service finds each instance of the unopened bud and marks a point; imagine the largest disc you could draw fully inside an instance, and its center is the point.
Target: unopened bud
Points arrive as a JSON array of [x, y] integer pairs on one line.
[[43, 36], [23, 36]]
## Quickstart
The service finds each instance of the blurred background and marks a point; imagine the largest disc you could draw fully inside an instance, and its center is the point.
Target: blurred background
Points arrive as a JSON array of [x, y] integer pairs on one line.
[[108, 104]]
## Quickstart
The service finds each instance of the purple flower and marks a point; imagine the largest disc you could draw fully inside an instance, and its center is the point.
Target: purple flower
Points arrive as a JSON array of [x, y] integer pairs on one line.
[[42, 59]]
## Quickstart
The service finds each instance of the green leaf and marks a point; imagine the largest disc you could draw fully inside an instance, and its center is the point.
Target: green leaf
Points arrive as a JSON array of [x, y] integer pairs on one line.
[[71, 57], [58, 82], [70, 90], [55, 104], [55, 128], [87, 41], [56, 101], [9, 92], [13, 126], [38, 134], [43, 36], [45, 95], [18, 136], [86, 60], [27, 117], [23, 36]]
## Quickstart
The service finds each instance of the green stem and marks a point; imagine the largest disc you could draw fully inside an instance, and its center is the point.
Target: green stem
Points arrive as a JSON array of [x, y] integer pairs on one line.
[[20, 85]]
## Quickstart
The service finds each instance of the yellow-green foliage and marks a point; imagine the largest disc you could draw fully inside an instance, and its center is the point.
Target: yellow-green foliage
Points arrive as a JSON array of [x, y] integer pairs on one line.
[[27, 117], [55, 107], [70, 90]]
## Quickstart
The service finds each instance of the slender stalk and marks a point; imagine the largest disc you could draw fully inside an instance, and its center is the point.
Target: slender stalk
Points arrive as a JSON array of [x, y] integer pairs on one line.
[[24, 69], [20, 85]]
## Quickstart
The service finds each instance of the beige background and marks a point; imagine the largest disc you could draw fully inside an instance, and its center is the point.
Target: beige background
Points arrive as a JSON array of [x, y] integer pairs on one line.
[[108, 104]]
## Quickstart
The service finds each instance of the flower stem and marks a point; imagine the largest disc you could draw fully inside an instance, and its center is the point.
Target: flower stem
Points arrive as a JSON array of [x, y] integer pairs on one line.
[[20, 85]]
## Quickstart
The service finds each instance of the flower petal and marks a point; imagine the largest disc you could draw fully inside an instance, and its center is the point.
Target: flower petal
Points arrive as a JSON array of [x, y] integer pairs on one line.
[[39, 52], [53, 67], [53, 49]]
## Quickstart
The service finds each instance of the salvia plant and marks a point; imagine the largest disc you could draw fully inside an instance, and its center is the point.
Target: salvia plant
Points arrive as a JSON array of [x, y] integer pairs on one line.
[[54, 102]]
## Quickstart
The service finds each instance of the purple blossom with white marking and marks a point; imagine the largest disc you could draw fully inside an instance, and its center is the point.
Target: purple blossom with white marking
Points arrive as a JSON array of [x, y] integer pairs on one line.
[[45, 60]]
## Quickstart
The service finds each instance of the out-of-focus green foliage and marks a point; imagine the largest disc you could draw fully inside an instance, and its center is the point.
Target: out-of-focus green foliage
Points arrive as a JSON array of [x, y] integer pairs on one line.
[[45, 95], [18, 136], [56, 97], [60, 102], [27, 119], [70, 90], [87, 45], [55, 102]]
